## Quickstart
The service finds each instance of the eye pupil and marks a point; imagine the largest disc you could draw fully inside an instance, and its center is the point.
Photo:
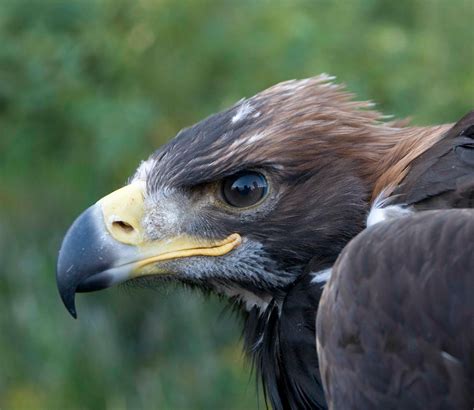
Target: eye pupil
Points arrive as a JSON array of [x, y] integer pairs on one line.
[[244, 189]]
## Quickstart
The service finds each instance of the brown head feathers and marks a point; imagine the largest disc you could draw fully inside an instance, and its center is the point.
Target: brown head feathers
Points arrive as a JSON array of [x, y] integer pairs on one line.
[[295, 127]]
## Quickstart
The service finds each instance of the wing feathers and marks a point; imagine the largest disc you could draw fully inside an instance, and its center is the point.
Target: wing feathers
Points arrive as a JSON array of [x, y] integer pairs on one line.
[[395, 325]]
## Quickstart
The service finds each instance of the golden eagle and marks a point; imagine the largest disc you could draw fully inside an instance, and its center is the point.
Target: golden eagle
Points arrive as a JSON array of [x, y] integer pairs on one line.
[[266, 201]]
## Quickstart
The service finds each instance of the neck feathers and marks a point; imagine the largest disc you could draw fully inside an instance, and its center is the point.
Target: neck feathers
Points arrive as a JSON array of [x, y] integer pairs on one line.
[[395, 162]]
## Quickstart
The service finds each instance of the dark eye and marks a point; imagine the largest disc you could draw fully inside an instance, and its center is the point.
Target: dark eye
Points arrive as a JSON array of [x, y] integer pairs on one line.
[[244, 189]]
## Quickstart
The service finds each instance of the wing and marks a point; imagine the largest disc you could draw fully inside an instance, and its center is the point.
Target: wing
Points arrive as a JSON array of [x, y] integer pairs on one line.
[[443, 177], [395, 326]]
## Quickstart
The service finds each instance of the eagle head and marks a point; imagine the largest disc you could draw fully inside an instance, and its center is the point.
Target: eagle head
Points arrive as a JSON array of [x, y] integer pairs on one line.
[[241, 202]]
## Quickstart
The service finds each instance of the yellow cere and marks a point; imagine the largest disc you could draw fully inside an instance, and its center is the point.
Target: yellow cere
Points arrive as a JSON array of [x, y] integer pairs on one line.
[[122, 211]]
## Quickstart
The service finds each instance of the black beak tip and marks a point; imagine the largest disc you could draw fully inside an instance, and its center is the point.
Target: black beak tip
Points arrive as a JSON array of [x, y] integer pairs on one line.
[[72, 311], [70, 303], [67, 293]]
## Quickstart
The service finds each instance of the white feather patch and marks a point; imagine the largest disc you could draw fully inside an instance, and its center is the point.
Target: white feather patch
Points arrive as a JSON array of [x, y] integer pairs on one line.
[[321, 276], [244, 110], [450, 358], [249, 299], [380, 213]]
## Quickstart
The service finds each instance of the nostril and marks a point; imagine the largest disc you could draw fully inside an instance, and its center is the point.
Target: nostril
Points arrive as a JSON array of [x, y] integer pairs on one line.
[[125, 230], [124, 226]]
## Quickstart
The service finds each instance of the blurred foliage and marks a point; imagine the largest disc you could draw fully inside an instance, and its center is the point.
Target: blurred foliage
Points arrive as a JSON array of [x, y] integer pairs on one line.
[[88, 88]]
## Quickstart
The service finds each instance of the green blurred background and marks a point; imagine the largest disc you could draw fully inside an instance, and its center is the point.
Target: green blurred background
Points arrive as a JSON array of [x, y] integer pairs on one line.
[[89, 88]]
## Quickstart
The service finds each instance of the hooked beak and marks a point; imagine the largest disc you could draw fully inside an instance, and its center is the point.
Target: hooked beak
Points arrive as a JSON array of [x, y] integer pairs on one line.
[[107, 245]]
